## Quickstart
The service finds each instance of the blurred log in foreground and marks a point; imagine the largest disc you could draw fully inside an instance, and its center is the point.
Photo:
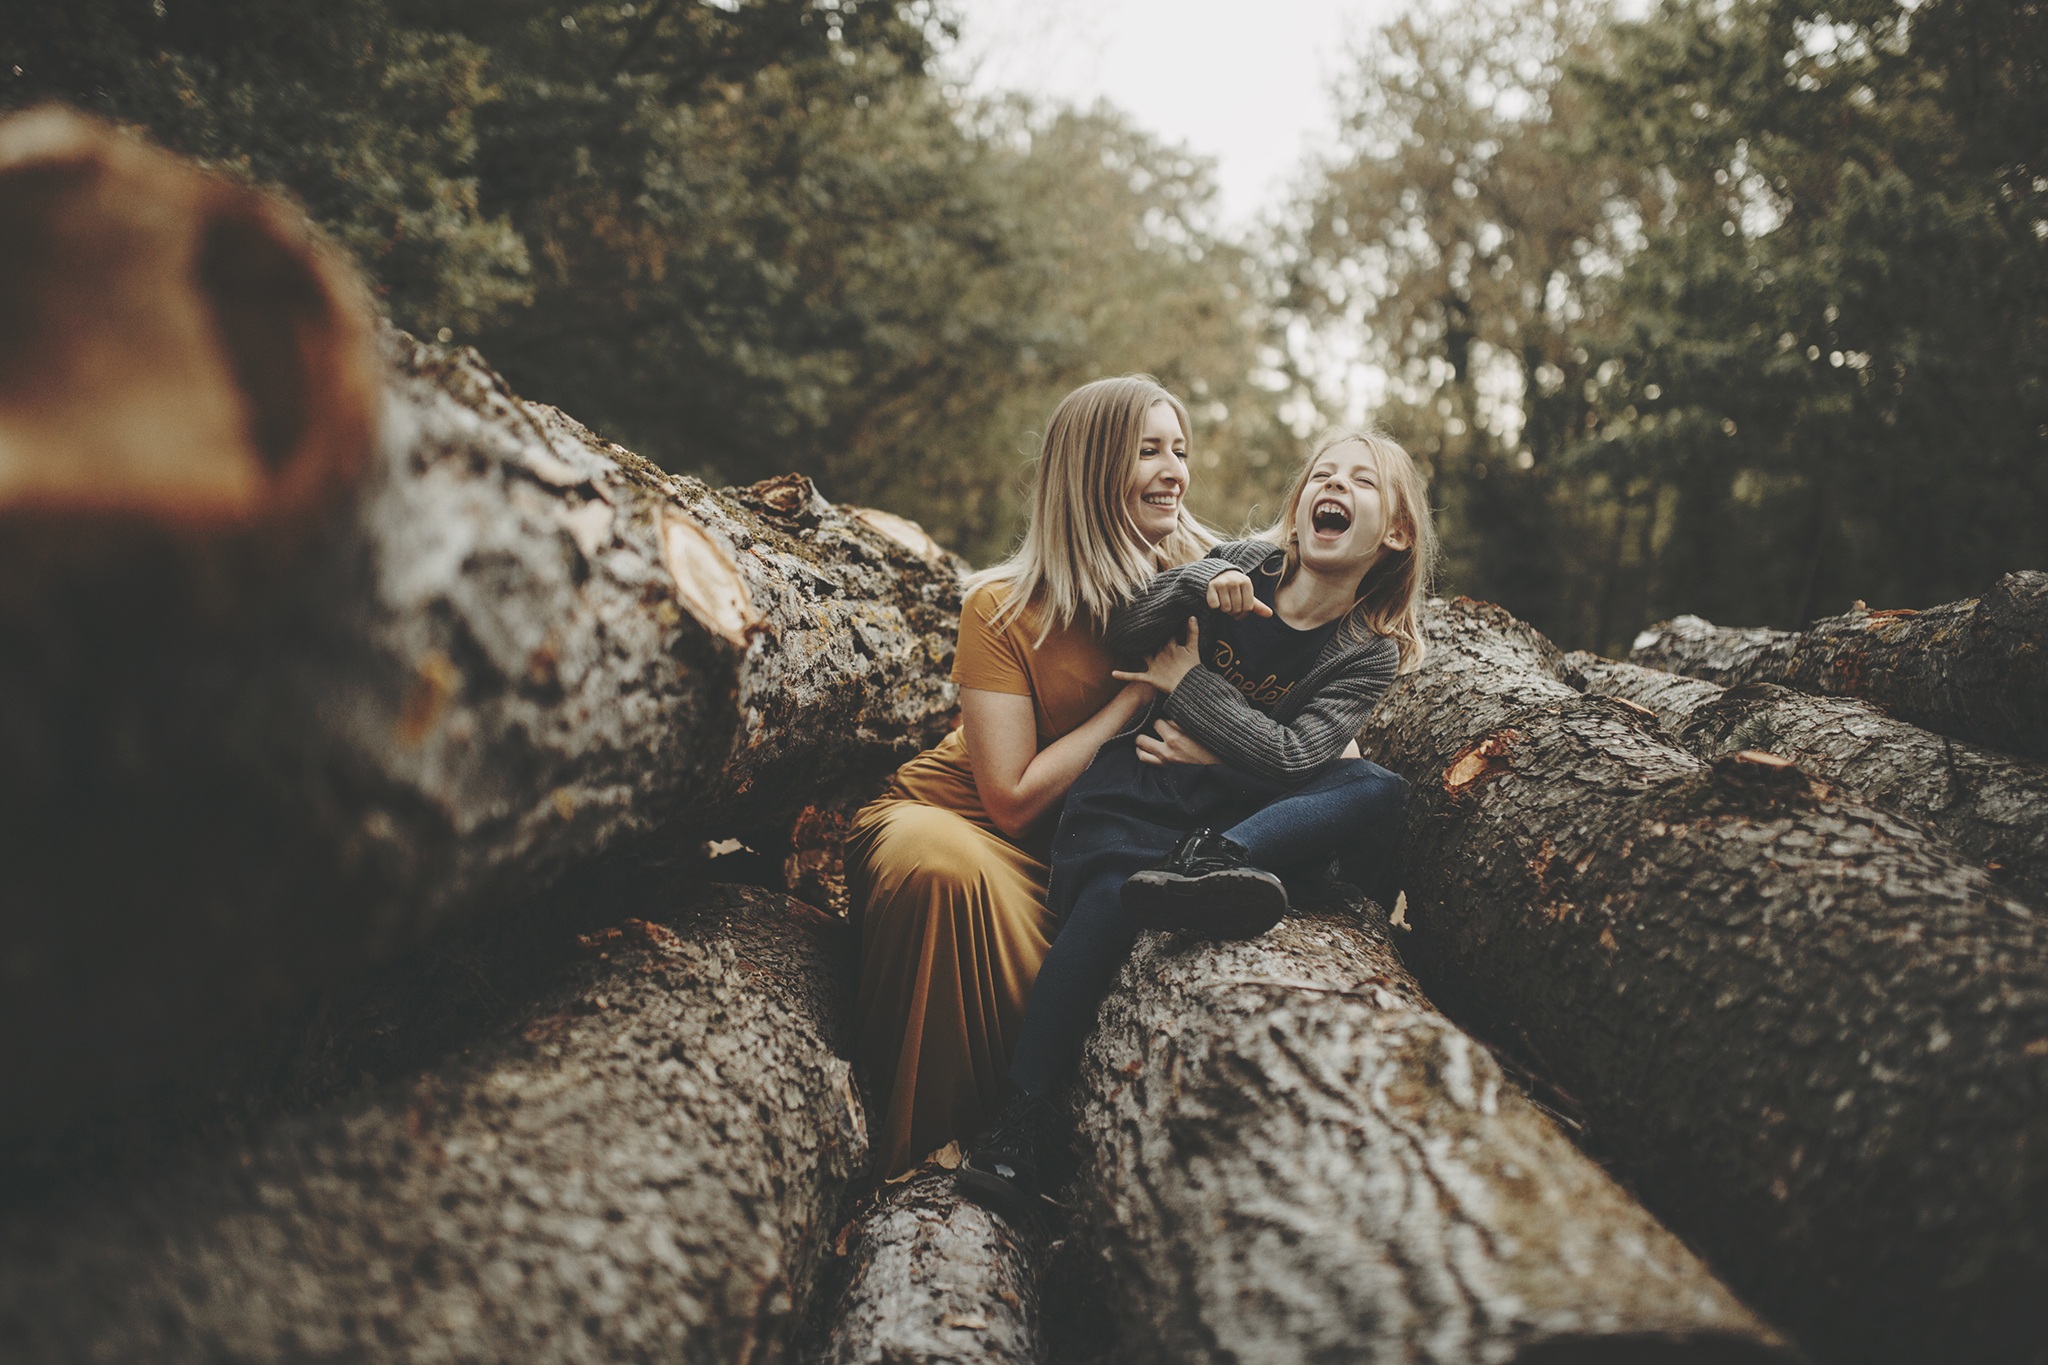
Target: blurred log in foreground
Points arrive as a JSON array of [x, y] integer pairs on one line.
[[1814, 1040], [1290, 1156], [934, 1278], [1986, 804], [264, 722], [646, 1167], [1976, 670]]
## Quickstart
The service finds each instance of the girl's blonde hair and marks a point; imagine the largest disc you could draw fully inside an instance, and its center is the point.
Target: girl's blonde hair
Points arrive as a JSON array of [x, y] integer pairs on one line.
[[1391, 594], [1082, 554]]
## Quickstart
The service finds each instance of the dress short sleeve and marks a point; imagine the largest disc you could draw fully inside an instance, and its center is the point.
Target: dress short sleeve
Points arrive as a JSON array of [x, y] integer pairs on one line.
[[989, 659]]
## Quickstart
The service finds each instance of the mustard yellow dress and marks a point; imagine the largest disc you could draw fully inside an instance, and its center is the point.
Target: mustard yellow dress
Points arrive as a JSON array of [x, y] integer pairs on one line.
[[951, 912]]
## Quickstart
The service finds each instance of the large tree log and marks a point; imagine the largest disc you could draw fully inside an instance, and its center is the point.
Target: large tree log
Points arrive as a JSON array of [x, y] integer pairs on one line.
[[647, 1167], [1289, 1155], [298, 696], [1814, 1040], [934, 1278], [1976, 670], [1989, 805]]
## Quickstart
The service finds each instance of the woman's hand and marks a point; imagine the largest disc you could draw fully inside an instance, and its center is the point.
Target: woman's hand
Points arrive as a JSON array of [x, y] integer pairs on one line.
[[1230, 592], [1172, 745], [1174, 661]]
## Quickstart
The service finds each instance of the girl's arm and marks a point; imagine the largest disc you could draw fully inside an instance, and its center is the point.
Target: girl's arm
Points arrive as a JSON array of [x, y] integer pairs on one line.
[[1218, 717], [1138, 628], [1168, 743], [1018, 781]]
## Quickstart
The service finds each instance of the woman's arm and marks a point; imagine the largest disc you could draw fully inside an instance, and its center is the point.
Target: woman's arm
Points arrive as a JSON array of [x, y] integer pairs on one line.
[[1018, 781]]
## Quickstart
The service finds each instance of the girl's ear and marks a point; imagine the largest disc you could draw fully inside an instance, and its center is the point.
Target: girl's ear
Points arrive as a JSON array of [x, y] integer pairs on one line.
[[1399, 537]]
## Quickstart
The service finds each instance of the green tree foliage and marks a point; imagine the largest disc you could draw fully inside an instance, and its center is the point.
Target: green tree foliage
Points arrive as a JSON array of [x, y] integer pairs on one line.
[[741, 238], [1455, 245], [1837, 322], [1738, 309]]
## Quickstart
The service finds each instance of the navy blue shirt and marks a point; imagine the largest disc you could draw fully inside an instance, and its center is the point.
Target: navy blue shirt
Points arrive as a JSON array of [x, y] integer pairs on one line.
[[1262, 656]]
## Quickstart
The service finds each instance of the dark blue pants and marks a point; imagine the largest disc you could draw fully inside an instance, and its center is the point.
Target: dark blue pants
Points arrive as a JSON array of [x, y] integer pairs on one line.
[[1123, 816]]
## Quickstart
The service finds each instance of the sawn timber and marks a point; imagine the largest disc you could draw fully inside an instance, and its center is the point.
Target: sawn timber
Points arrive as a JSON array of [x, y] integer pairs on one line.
[[1812, 1038]]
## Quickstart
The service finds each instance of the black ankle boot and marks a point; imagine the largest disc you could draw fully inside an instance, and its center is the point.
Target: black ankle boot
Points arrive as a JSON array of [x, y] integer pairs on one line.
[[1206, 884], [1004, 1169]]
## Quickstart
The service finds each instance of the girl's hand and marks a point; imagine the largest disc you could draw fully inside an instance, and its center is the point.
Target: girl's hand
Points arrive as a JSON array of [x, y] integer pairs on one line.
[[1173, 745], [1174, 661], [1230, 592]]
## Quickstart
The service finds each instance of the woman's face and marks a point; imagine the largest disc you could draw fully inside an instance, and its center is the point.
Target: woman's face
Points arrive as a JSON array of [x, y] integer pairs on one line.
[[1159, 476]]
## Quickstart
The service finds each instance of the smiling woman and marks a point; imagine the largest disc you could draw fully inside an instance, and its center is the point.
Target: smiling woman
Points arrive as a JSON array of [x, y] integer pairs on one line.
[[947, 870]]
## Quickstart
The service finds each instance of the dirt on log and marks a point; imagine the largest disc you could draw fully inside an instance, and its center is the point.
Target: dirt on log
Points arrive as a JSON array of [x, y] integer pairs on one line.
[[931, 1278], [1289, 1155], [375, 650], [1813, 1039], [1976, 670], [647, 1167], [1987, 804]]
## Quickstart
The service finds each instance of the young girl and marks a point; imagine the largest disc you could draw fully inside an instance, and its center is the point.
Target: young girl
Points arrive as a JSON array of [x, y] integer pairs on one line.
[[1295, 636]]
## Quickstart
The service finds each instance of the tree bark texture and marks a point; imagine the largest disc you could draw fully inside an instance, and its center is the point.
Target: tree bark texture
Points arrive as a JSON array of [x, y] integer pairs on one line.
[[647, 1168], [247, 747], [1289, 1155], [934, 1278], [1813, 1039], [1987, 804], [1976, 670]]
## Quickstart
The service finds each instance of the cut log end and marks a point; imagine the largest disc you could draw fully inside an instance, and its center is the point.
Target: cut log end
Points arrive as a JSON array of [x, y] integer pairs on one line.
[[174, 348], [1480, 762], [902, 531], [790, 498], [708, 582]]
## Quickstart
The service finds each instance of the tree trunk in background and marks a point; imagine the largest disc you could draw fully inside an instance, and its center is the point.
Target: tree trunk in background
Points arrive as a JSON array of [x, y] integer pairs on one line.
[[1814, 1041], [647, 1166], [1975, 670], [1988, 805], [268, 713], [935, 1278], [1289, 1155]]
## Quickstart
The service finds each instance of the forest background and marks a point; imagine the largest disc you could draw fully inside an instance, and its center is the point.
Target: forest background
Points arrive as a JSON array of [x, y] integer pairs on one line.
[[1739, 307]]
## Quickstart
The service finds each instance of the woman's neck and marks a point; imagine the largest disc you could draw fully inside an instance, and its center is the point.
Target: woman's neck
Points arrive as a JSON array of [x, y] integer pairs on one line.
[[1310, 599]]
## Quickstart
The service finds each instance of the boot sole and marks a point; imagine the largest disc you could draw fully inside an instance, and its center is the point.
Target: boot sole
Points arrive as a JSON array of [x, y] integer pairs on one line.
[[1240, 902], [999, 1196]]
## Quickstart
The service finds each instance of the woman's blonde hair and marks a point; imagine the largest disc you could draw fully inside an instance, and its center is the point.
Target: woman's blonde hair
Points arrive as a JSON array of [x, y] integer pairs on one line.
[[1391, 594], [1082, 554]]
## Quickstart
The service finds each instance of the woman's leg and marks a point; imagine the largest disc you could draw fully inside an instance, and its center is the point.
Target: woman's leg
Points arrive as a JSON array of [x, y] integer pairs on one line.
[[952, 931], [1354, 807]]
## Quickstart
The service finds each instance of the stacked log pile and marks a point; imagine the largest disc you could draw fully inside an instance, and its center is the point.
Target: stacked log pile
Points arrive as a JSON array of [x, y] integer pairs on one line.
[[1812, 1036], [1989, 806], [1975, 670], [1289, 1155], [312, 642], [645, 1165], [316, 643], [934, 1277]]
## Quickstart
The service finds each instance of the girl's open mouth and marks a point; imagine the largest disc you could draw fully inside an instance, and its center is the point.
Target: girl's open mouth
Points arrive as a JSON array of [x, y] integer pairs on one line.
[[1330, 518]]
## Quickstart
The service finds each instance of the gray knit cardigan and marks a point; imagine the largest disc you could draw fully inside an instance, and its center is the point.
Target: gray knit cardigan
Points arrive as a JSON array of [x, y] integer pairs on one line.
[[1310, 726]]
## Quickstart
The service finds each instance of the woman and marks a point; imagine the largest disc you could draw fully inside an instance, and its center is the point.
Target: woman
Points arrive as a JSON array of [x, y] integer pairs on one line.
[[947, 868]]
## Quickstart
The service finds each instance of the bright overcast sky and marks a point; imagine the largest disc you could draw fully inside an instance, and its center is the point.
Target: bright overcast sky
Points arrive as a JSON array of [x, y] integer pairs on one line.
[[1243, 81]]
